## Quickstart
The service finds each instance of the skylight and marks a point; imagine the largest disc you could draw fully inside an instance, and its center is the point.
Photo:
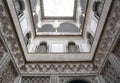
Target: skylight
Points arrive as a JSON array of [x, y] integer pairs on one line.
[[58, 8]]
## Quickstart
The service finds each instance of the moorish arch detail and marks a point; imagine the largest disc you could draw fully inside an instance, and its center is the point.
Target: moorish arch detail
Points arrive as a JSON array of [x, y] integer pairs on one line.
[[19, 6], [97, 8]]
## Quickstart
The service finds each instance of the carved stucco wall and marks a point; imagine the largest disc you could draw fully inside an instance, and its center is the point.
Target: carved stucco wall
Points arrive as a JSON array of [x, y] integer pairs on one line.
[[111, 69], [8, 74], [36, 79], [116, 49], [57, 79], [110, 74], [8, 34], [2, 49]]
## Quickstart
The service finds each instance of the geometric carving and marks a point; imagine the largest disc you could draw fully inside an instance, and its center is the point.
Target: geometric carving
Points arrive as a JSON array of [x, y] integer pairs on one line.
[[56, 79], [58, 68], [8, 33], [111, 29], [9, 74], [109, 74], [116, 49], [35, 79]]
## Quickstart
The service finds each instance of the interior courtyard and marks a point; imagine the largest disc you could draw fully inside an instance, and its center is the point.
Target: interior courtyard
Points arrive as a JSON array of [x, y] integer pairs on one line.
[[59, 41]]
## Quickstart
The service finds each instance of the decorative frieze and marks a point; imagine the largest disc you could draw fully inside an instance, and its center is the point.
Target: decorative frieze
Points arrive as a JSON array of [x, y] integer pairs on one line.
[[59, 68], [36, 79]]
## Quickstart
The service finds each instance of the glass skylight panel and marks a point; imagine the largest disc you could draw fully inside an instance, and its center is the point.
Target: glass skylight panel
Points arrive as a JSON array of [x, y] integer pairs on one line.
[[58, 8]]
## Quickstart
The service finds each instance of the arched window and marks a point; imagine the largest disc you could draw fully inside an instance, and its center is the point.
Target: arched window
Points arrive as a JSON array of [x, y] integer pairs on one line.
[[27, 38], [97, 8], [42, 47], [19, 6], [90, 38], [67, 27], [72, 47]]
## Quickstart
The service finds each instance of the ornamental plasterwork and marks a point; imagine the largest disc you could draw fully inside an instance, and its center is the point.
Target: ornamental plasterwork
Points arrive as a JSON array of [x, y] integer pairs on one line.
[[109, 34], [56, 79], [2, 49], [66, 79], [8, 74]]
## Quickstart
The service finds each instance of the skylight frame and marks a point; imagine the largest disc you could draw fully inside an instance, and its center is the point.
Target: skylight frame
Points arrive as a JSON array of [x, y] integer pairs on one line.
[[60, 17]]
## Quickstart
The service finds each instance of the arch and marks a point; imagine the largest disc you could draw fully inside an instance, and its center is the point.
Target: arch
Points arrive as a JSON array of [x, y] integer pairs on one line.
[[42, 47], [97, 8], [67, 27], [43, 43], [28, 38], [72, 47], [19, 6], [90, 38], [46, 28], [35, 17], [71, 43]]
